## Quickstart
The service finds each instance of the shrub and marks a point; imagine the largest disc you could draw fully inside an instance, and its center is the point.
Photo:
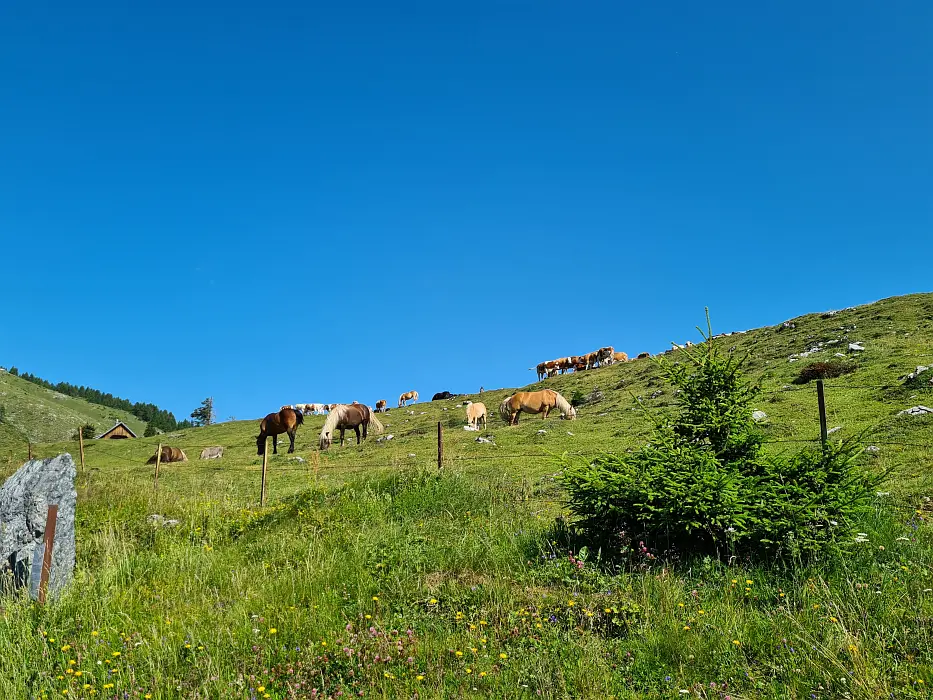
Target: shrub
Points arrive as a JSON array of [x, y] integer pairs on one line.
[[824, 370], [578, 399], [151, 430], [703, 485]]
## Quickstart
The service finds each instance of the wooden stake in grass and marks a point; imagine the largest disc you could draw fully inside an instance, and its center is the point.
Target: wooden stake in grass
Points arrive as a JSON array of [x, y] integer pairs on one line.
[[821, 401], [29, 446], [440, 445], [265, 464], [155, 482], [81, 446], [51, 519]]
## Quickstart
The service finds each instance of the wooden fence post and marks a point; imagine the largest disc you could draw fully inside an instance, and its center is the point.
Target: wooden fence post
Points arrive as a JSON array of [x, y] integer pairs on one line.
[[440, 445], [821, 401], [29, 445], [155, 482], [81, 446], [265, 464], [51, 519]]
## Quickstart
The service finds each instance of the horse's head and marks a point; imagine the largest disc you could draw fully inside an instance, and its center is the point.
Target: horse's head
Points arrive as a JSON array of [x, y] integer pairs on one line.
[[570, 415], [326, 440]]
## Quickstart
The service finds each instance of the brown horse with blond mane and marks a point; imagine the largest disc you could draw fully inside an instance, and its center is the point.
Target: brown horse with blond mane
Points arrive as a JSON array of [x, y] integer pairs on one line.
[[345, 416], [535, 402], [285, 421], [407, 396]]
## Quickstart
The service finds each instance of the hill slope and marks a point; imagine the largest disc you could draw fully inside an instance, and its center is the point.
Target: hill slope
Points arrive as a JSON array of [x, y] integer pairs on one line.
[[459, 583], [37, 414]]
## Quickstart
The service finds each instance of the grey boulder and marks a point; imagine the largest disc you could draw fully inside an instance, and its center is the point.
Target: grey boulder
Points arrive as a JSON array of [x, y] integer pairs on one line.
[[24, 502]]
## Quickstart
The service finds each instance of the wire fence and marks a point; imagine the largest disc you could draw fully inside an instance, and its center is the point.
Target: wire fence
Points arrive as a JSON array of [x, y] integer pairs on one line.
[[132, 457]]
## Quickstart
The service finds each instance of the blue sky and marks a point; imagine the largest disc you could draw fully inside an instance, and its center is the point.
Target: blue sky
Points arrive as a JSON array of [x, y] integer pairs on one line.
[[282, 202]]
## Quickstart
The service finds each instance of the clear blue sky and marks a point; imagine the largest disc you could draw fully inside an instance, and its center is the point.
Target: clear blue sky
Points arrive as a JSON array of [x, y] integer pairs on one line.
[[275, 202]]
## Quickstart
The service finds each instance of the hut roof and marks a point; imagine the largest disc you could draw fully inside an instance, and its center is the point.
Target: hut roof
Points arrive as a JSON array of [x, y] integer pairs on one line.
[[117, 425]]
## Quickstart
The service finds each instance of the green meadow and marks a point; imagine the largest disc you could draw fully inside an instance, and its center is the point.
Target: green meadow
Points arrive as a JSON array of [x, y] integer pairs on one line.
[[372, 573]]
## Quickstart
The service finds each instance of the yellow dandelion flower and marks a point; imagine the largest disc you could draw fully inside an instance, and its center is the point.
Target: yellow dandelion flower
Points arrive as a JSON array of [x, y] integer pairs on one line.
[[433, 601], [749, 582], [71, 662], [458, 653], [95, 633], [78, 674], [736, 642], [570, 603], [376, 598], [679, 605], [115, 654], [69, 671], [272, 630], [503, 655], [483, 622], [469, 670], [108, 686], [261, 689], [702, 612], [66, 647], [419, 678], [482, 674], [833, 619], [735, 580]]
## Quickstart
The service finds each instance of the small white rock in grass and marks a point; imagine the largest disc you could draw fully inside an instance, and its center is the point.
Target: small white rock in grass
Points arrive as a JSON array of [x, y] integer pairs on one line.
[[542, 432], [569, 433], [412, 455], [485, 440], [856, 347], [759, 416], [873, 449], [916, 411], [834, 430], [470, 427]]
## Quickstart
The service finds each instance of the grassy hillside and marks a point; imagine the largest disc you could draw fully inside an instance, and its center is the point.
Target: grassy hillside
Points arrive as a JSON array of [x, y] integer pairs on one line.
[[36, 414], [369, 572]]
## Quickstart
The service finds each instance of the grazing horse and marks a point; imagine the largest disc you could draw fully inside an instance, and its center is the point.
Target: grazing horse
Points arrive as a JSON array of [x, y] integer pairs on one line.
[[381, 406], [476, 412], [642, 355], [408, 396], [619, 357], [535, 402], [441, 395], [348, 416], [169, 454], [285, 421]]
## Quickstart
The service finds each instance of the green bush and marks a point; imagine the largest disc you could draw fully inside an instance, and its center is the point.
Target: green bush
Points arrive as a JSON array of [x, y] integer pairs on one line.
[[703, 485]]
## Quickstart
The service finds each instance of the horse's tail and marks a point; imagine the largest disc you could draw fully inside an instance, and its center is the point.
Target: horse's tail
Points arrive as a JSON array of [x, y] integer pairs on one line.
[[374, 424], [505, 409], [299, 417]]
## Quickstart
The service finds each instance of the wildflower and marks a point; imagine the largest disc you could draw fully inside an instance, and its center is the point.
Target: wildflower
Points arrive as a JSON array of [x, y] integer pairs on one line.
[[748, 582], [686, 627], [375, 598], [483, 623], [833, 619], [261, 689], [419, 678], [503, 655], [679, 605], [570, 603], [272, 630], [108, 686], [115, 654], [701, 612], [433, 601], [369, 617], [78, 674], [66, 647], [458, 653], [469, 670], [735, 581], [71, 662], [736, 642], [95, 633], [482, 674]]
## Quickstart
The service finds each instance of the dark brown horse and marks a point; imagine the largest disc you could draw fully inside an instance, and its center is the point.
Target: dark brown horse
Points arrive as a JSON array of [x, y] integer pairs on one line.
[[354, 416], [285, 421]]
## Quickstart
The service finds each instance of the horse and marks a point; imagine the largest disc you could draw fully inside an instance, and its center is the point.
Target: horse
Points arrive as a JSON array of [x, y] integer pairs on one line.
[[381, 406], [619, 357], [407, 396], [285, 421], [476, 412], [441, 395], [169, 454], [348, 416], [643, 355], [286, 406], [535, 402]]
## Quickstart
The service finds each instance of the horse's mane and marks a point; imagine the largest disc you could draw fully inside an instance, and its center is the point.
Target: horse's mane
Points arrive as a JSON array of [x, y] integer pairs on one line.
[[336, 415], [563, 405], [504, 408], [374, 424]]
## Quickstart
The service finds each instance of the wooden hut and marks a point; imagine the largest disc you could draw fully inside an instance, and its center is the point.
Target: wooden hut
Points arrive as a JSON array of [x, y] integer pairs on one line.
[[120, 431]]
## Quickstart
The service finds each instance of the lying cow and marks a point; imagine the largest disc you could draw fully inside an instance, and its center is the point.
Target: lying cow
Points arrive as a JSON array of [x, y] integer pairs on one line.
[[169, 454]]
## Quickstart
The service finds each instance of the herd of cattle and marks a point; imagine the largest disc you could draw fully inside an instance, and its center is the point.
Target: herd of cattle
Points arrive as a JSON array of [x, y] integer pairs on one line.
[[579, 363]]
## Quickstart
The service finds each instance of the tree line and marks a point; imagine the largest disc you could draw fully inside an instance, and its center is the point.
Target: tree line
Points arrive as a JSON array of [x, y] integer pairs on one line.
[[156, 417]]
